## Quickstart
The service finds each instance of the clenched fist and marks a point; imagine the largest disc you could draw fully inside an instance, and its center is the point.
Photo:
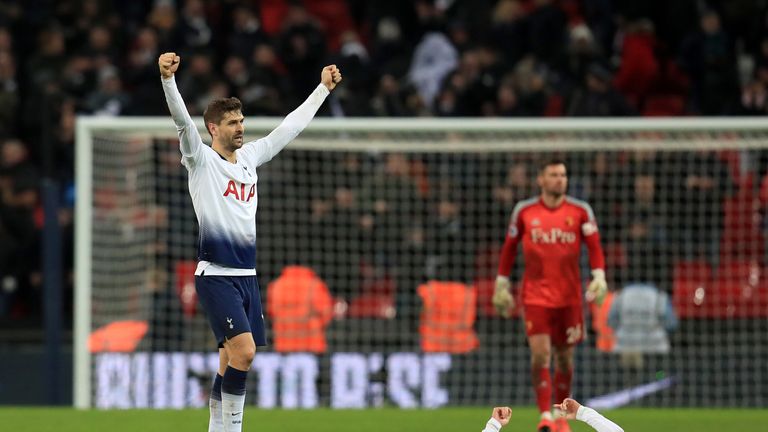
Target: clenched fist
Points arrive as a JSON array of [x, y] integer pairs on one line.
[[330, 76], [168, 63]]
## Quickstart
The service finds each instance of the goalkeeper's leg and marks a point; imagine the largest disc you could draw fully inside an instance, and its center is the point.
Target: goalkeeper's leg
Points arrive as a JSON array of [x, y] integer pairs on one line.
[[540, 378]]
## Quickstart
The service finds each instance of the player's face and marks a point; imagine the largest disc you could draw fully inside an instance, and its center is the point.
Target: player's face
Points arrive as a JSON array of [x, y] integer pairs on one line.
[[230, 130], [553, 180]]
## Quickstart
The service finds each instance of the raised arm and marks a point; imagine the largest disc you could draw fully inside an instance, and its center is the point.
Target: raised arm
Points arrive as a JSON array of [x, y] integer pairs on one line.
[[190, 141], [574, 410], [264, 149]]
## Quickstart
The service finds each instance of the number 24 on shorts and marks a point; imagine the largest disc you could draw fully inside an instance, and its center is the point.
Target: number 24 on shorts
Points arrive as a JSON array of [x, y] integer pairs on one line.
[[573, 334]]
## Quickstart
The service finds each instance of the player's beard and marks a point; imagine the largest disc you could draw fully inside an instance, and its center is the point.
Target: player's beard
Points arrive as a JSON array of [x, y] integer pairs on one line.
[[555, 193], [234, 143]]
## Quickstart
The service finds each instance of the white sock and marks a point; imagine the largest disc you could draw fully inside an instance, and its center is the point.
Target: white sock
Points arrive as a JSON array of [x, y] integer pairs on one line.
[[232, 411], [546, 415], [215, 424]]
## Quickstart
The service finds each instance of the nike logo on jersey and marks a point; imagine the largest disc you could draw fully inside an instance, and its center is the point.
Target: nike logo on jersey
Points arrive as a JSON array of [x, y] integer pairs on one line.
[[238, 191]]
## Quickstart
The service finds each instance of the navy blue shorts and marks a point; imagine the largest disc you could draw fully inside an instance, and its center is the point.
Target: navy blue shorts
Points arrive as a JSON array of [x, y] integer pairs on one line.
[[233, 306]]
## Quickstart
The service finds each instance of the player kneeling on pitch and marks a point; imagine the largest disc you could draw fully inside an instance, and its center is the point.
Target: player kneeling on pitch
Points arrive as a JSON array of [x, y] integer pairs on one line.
[[570, 410]]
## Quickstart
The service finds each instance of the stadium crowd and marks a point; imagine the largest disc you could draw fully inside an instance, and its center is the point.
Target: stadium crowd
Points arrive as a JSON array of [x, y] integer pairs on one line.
[[440, 58]]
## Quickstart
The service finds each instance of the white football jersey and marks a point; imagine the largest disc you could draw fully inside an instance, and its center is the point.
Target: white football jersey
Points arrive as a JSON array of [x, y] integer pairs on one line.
[[223, 193]]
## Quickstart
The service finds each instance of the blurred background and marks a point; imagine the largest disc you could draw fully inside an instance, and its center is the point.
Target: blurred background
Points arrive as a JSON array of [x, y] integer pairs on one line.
[[375, 225]]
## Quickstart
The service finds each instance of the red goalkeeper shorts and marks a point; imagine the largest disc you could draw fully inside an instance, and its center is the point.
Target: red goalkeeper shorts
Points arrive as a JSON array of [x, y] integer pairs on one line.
[[565, 325]]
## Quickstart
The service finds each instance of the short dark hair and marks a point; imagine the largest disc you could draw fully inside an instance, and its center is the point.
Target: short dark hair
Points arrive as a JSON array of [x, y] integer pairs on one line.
[[218, 107], [549, 162]]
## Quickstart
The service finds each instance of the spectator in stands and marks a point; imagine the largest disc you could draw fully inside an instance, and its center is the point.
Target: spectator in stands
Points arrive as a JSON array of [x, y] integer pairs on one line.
[[9, 92], [434, 56], [300, 307], [392, 99], [708, 57], [754, 99], [246, 33], [197, 82], [164, 20], [100, 48], [109, 99], [446, 232], [582, 51], [9, 282], [697, 200], [388, 199], [194, 29], [509, 30], [641, 316], [18, 200], [639, 68], [547, 35], [267, 87], [531, 79], [140, 76], [302, 50], [644, 234], [598, 98], [507, 100], [517, 184], [353, 57]]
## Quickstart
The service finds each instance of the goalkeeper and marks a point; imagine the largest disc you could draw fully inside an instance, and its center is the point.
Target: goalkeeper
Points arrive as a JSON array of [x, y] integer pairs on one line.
[[570, 408], [551, 228]]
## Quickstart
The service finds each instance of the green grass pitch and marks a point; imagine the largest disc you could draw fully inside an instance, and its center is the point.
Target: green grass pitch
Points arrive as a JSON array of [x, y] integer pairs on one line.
[[374, 420]]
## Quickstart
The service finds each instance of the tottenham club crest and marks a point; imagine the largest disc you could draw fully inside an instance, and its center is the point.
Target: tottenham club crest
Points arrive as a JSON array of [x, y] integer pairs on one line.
[[229, 321]]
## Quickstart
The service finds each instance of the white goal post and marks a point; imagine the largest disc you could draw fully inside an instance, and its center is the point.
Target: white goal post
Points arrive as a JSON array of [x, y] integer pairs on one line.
[[467, 162]]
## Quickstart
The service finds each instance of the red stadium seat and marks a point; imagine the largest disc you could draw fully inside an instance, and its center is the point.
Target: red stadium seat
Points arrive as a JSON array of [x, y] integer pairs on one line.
[[664, 106], [377, 300], [185, 286], [740, 290], [691, 289], [372, 306], [742, 238]]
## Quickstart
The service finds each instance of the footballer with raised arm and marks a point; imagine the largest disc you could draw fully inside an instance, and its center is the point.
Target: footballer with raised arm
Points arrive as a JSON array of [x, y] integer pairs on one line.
[[551, 227], [222, 183]]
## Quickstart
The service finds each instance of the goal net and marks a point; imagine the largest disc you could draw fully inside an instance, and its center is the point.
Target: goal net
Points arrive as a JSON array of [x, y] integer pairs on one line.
[[400, 223]]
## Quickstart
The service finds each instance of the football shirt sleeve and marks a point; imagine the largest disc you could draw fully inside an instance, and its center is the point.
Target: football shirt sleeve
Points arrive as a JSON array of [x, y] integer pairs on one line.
[[263, 150], [190, 142]]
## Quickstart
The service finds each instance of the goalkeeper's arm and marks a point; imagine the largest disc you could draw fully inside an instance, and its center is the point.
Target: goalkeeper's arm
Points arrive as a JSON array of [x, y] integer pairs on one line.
[[502, 297], [597, 286]]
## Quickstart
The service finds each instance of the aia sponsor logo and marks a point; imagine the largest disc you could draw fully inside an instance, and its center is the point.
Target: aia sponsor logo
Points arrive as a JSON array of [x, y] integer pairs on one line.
[[552, 236], [240, 191]]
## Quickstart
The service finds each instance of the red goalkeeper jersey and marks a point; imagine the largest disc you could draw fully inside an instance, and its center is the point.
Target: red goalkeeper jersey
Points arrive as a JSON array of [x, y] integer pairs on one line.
[[551, 240]]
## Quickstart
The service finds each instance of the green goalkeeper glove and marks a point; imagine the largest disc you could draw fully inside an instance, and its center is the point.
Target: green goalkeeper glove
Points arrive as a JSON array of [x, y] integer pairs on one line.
[[597, 288], [502, 298]]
